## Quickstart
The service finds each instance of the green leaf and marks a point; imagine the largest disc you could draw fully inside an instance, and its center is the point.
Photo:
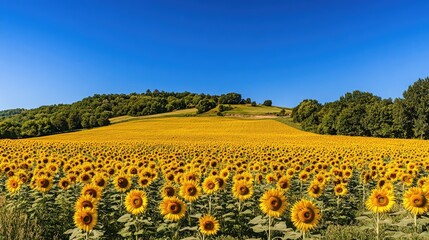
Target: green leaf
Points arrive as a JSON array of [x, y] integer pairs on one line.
[[124, 218], [256, 220], [259, 228]]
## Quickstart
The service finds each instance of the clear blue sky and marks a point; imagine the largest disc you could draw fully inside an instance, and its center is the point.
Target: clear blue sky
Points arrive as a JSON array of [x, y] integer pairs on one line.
[[287, 50]]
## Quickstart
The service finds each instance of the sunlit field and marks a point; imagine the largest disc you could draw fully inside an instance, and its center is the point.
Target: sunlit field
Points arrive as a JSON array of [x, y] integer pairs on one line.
[[212, 178]]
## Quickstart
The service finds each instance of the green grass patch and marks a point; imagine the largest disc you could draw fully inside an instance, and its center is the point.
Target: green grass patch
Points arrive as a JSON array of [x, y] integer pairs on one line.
[[178, 113]]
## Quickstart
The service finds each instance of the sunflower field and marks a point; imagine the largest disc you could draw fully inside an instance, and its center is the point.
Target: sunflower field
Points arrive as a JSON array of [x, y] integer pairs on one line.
[[212, 178]]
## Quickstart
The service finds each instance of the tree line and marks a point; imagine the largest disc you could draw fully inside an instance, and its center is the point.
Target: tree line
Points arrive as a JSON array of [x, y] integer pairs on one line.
[[364, 114], [95, 111]]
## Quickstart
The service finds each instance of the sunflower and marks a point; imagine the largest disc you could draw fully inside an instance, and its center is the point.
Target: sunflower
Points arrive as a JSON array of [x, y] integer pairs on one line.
[[168, 191], [85, 219], [172, 208], [122, 183], [210, 185], [190, 191], [315, 189], [380, 201], [221, 182], [416, 200], [13, 184], [273, 203], [305, 215], [242, 190], [100, 180], [144, 182], [86, 201], [92, 190], [64, 183], [43, 184], [208, 225], [136, 202], [341, 189], [284, 183]]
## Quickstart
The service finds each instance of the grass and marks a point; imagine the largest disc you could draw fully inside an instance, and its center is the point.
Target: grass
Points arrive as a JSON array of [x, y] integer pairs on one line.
[[178, 113], [17, 225], [288, 121], [248, 110]]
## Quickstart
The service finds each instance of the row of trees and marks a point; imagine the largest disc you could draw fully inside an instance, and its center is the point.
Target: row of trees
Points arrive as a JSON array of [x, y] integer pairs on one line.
[[96, 110], [364, 114]]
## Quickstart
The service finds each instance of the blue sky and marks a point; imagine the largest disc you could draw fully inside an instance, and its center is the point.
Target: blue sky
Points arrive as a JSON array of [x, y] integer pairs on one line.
[[62, 51]]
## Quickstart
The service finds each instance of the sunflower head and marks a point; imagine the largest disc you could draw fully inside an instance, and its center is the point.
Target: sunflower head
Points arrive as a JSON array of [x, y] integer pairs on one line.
[[136, 202], [208, 225], [168, 191], [380, 201], [145, 182], [190, 191], [85, 219], [92, 190], [122, 183], [273, 203], [210, 185], [86, 201], [242, 190], [64, 183], [283, 183], [305, 215], [416, 200], [172, 208], [43, 184], [13, 184], [315, 189], [341, 189]]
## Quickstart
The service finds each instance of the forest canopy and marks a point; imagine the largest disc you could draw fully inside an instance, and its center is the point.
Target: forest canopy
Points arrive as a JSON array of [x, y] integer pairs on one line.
[[95, 111], [364, 114]]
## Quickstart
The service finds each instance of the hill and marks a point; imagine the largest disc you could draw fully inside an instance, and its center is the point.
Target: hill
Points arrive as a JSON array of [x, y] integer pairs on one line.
[[99, 110]]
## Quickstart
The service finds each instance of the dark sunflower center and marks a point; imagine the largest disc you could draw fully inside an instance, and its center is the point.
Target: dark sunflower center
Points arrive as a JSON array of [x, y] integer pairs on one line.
[[275, 203], [101, 182], [91, 192], [307, 215], [133, 171], [192, 190], [211, 185], [209, 225], [339, 190], [137, 202], [382, 200], [65, 184], [284, 184], [244, 190], [87, 219], [44, 183], [85, 177], [169, 191], [418, 200], [220, 181], [122, 182], [87, 204], [144, 182], [14, 184], [174, 208], [315, 189]]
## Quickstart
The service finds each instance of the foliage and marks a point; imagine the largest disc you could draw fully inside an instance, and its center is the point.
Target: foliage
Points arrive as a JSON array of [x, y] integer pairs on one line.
[[267, 103], [363, 114], [95, 111]]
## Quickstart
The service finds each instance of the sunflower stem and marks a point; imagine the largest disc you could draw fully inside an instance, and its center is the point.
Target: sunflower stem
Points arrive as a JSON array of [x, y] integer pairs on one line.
[[269, 227], [303, 235], [377, 223], [363, 193], [210, 204], [415, 221]]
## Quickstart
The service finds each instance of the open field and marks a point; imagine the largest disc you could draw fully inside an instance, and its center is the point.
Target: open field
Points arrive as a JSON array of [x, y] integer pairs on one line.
[[249, 174]]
